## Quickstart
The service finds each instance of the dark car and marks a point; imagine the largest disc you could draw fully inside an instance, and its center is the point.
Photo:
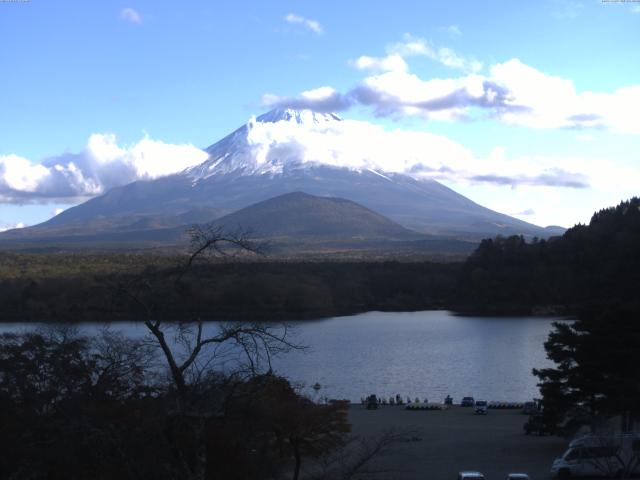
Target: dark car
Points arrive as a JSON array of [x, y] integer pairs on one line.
[[467, 402]]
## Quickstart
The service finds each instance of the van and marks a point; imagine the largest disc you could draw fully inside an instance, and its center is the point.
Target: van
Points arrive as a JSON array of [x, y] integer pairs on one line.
[[481, 408], [599, 456]]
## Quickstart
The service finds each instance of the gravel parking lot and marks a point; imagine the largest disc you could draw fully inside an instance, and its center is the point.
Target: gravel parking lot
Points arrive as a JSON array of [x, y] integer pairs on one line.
[[453, 440]]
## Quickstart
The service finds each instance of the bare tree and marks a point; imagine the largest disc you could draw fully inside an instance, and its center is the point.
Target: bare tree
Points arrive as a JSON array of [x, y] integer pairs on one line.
[[190, 349]]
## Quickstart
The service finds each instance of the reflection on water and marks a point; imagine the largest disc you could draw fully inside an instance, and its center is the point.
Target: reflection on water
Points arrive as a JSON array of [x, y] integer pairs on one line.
[[417, 354], [425, 354]]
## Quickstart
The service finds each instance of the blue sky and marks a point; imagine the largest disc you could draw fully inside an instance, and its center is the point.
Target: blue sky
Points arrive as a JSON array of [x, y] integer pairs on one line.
[[188, 73]]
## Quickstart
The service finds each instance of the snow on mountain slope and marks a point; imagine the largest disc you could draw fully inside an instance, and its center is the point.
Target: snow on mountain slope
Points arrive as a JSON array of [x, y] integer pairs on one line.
[[289, 150], [247, 150], [284, 140]]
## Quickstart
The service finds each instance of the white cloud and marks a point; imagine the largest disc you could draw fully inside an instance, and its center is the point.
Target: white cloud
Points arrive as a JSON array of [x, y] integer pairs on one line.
[[130, 15], [453, 30], [512, 92], [416, 47], [451, 59], [102, 165], [5, 227], [390, 63], [354, 144], [405, 94], [312, 25], [323, 99], [539, 100], [423, 155]]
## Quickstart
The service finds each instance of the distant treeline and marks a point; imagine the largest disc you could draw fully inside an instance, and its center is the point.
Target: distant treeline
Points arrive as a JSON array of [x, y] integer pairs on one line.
[[230, 290], [595, 263]]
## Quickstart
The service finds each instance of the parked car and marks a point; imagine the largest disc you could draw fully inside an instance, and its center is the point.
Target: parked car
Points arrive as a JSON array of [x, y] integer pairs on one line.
[[481, 408], [470, 476], [467, 402], [517, 476]]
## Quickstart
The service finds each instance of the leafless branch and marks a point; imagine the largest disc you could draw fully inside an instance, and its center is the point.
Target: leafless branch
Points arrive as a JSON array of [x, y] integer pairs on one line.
[[213, 238]]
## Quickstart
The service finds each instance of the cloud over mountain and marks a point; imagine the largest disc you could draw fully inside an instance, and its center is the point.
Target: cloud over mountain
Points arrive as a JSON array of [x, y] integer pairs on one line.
[[275, 142], [320, 139], [102, 165], [322, 99], [512, 92]]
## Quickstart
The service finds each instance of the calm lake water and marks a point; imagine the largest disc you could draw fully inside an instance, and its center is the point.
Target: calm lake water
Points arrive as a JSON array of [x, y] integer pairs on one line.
[[417, 354]]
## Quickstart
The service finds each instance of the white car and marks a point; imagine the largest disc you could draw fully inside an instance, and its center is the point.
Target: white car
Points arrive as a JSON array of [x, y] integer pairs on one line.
[[599, 456], [481, 408], [470, 476]]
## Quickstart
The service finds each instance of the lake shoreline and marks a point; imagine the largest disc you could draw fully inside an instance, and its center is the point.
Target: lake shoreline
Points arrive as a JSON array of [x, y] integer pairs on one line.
[[424, 354], [293, 317]]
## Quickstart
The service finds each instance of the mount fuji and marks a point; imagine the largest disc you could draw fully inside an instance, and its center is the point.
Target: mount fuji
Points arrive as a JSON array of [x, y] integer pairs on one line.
[[266, 158]]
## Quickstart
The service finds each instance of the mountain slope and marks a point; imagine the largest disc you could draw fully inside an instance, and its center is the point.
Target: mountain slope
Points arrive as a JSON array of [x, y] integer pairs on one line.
[[299, 214], [238, 174]]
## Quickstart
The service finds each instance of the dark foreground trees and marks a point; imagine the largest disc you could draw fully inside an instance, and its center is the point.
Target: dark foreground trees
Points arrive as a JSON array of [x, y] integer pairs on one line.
[[189, 401], [71, 407], [76, 408], [596, 377]]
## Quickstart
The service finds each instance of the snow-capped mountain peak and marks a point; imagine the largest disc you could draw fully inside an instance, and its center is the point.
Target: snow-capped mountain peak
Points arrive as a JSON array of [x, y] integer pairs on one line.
[[301, 117], [264, 145], [287, 150]]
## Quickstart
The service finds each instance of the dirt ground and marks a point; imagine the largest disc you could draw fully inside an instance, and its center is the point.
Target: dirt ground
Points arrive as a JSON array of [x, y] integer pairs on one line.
[[446, 442]]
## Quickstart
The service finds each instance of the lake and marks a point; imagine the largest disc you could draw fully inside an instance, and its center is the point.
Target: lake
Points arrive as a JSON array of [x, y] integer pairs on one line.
[[418, 354]]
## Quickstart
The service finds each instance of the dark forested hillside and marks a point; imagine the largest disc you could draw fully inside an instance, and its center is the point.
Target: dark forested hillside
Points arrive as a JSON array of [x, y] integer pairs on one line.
[[595, 263], [220, 290]]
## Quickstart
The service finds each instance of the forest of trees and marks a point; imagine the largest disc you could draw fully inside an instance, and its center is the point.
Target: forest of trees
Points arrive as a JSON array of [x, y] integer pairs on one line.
[[231, 290], [595, 379], [596, 263]]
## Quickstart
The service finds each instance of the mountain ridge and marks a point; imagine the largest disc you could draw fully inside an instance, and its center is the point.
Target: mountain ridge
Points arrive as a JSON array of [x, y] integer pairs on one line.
[[235, 176]]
